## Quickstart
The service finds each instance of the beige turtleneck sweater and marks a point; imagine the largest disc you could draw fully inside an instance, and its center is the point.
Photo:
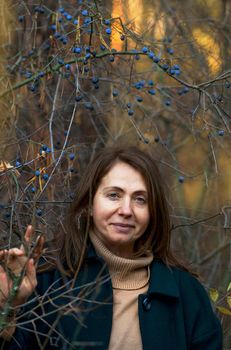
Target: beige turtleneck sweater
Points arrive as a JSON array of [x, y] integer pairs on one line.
[[130, 277]]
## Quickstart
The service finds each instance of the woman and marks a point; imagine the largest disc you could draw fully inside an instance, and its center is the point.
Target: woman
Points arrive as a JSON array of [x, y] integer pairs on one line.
[[117, 284]]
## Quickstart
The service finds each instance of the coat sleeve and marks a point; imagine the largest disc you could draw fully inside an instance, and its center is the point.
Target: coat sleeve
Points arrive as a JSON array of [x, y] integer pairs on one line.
[[203, 328], [31, 327]]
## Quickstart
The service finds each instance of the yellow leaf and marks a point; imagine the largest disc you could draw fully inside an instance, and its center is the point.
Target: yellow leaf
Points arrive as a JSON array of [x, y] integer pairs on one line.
[[5, 166], [224, 311], [229, 301], [229, 287], [213, 293]]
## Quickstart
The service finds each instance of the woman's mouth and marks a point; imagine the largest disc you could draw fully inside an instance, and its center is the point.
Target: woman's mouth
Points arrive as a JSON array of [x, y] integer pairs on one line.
[[121, 227]]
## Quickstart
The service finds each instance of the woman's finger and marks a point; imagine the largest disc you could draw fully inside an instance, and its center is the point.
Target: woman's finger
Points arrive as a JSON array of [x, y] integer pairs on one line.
[[28, 234], [31, 274], [14, 252]]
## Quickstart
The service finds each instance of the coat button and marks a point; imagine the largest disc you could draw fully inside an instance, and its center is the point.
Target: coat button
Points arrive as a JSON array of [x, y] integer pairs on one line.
[[147, 304]]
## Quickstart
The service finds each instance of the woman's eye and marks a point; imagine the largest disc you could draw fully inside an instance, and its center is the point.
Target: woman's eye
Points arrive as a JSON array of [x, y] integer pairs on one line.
[[141, 200], [113, 195]]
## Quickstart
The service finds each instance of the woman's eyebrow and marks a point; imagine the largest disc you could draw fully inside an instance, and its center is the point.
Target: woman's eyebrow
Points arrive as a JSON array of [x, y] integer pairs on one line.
[[141, 191]]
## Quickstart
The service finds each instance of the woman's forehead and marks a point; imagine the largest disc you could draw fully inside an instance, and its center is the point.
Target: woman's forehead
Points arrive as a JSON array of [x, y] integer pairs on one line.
[[122, 174]]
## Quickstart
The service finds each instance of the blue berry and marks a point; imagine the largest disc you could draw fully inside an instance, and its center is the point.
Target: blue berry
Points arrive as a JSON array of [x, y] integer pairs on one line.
[[84, 12], [170, 50], [32, 189], [48, 150], [88, 105], [32, 88], [145, 49], [77, 49], [151, 54], [88, 55], [61, 10], [172, 71], [95, 80], [165, 67], [139, 99], [227, 84], [67, 66], [69, 17], [108, 30], [64, 39], [111, 58], [41, 74], [75, 22], [28, 74], [78, 98], [156, 59], [176, 67], [221, 132], [53, 27], [129, 105], [107, 22], [57, 35], [102, 47], [157, 139], [71, 156], [146, 141], [37, 172], [31, 53], [18, 164], [150, 82], [130, 112], [72, 195], [168, 103], [181, 179], [61, 61], [44, 147], [45, 177], [21, 18], [87, 21], [39, 212], [46, 45], [39, 9], [185, 89], [152, 92], [122, 37], [138, 86], [115, 93], [60, 20]]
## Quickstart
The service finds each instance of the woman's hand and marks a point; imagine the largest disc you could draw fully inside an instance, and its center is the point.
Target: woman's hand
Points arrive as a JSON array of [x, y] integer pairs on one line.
[[19, 264]]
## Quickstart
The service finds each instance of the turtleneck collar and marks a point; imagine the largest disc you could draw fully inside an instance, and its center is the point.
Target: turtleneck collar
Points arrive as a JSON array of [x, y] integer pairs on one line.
[[125, 273]]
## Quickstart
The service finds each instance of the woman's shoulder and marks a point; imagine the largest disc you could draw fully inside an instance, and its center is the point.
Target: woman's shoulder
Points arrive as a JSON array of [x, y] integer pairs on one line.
[[183, 285]]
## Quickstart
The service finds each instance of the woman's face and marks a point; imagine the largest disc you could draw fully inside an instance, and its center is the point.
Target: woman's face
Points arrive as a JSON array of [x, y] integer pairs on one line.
[[120, 209]]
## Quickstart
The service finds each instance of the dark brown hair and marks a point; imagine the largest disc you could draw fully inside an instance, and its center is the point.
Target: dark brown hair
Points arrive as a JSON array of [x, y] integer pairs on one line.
[[78, 222]]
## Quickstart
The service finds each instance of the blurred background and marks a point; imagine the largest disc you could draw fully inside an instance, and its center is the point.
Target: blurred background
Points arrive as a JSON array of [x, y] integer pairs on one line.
[[80, 75]]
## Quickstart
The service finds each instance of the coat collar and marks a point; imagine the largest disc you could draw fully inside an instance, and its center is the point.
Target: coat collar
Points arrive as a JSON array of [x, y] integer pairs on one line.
[[162, 280]]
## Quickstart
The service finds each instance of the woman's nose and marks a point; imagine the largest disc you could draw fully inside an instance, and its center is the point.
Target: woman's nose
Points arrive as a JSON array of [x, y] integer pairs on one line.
[[125, 207]]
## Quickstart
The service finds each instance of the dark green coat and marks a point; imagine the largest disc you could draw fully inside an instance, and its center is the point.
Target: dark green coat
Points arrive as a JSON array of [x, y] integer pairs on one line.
[[175, 314]]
